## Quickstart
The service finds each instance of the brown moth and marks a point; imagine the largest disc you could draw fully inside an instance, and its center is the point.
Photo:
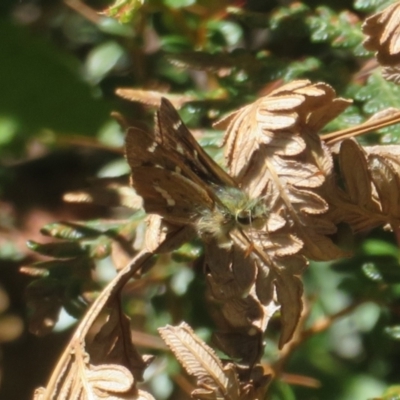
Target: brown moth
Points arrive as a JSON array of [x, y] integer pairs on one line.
[[179, 181]]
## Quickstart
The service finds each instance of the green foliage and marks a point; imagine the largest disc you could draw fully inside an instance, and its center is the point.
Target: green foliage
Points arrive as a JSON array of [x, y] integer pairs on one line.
[[41, 89], [58, 75]]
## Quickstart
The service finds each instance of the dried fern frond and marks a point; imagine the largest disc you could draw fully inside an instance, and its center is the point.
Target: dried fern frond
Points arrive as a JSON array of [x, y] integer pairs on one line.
[[108, 368], [370, 197], [273, 149], [213, 379], [383, 30]]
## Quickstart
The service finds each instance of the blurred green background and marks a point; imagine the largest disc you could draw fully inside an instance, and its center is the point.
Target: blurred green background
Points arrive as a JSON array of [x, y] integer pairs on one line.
[[60, 64]]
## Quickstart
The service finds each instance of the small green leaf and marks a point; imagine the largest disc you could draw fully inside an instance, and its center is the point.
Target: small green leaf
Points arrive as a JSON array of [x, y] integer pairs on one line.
[[68, 231], [372, 272], [64, 269], [8, 129], [297, 69], [101, 248], [102, 59], [44, 298], [393, 331], [59, 249], [113, 27], [383, 269], [175, 43], [378, 94], [371, 5], [73, 302], [375, 247], [230, 32], [179, 3], [340, 30], [124, 10], [187, 253]]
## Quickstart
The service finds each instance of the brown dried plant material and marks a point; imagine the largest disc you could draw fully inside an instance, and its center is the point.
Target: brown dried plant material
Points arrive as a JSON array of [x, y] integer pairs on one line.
[[109, 382], [231, 276], [113, 344], [111, 192], [165, 237], [379, 120], [392, 74], [152, 97], [214, 380], [182, 184], [100, 370], [383, 30], [273, 150], [384, 166], [370, 196]]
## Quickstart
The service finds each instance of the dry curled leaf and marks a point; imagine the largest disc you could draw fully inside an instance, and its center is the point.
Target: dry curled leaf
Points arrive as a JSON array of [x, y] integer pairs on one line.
[[113, 344], [384, 166], [83, 381], [109, 378]]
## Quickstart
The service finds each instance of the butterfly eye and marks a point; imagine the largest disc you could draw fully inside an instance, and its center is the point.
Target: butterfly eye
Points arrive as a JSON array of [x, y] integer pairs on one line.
[[244, 217]]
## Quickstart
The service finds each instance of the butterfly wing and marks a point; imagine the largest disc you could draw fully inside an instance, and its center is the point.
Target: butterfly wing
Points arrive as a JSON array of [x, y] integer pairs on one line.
[[168, 186], [170, 194], [174, 135]]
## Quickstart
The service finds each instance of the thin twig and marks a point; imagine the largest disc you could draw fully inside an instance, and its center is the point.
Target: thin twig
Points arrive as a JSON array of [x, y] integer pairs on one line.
[[358, 130], [84, 10], [302, 335]]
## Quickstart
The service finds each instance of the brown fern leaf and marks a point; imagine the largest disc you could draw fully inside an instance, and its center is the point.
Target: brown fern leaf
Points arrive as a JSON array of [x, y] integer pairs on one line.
[[231, 275], [383, 32], [110, 367], [392, 73], [384, 164], [371, 177], [213, 379], [82, 380], [273, 150], [113, 344]]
